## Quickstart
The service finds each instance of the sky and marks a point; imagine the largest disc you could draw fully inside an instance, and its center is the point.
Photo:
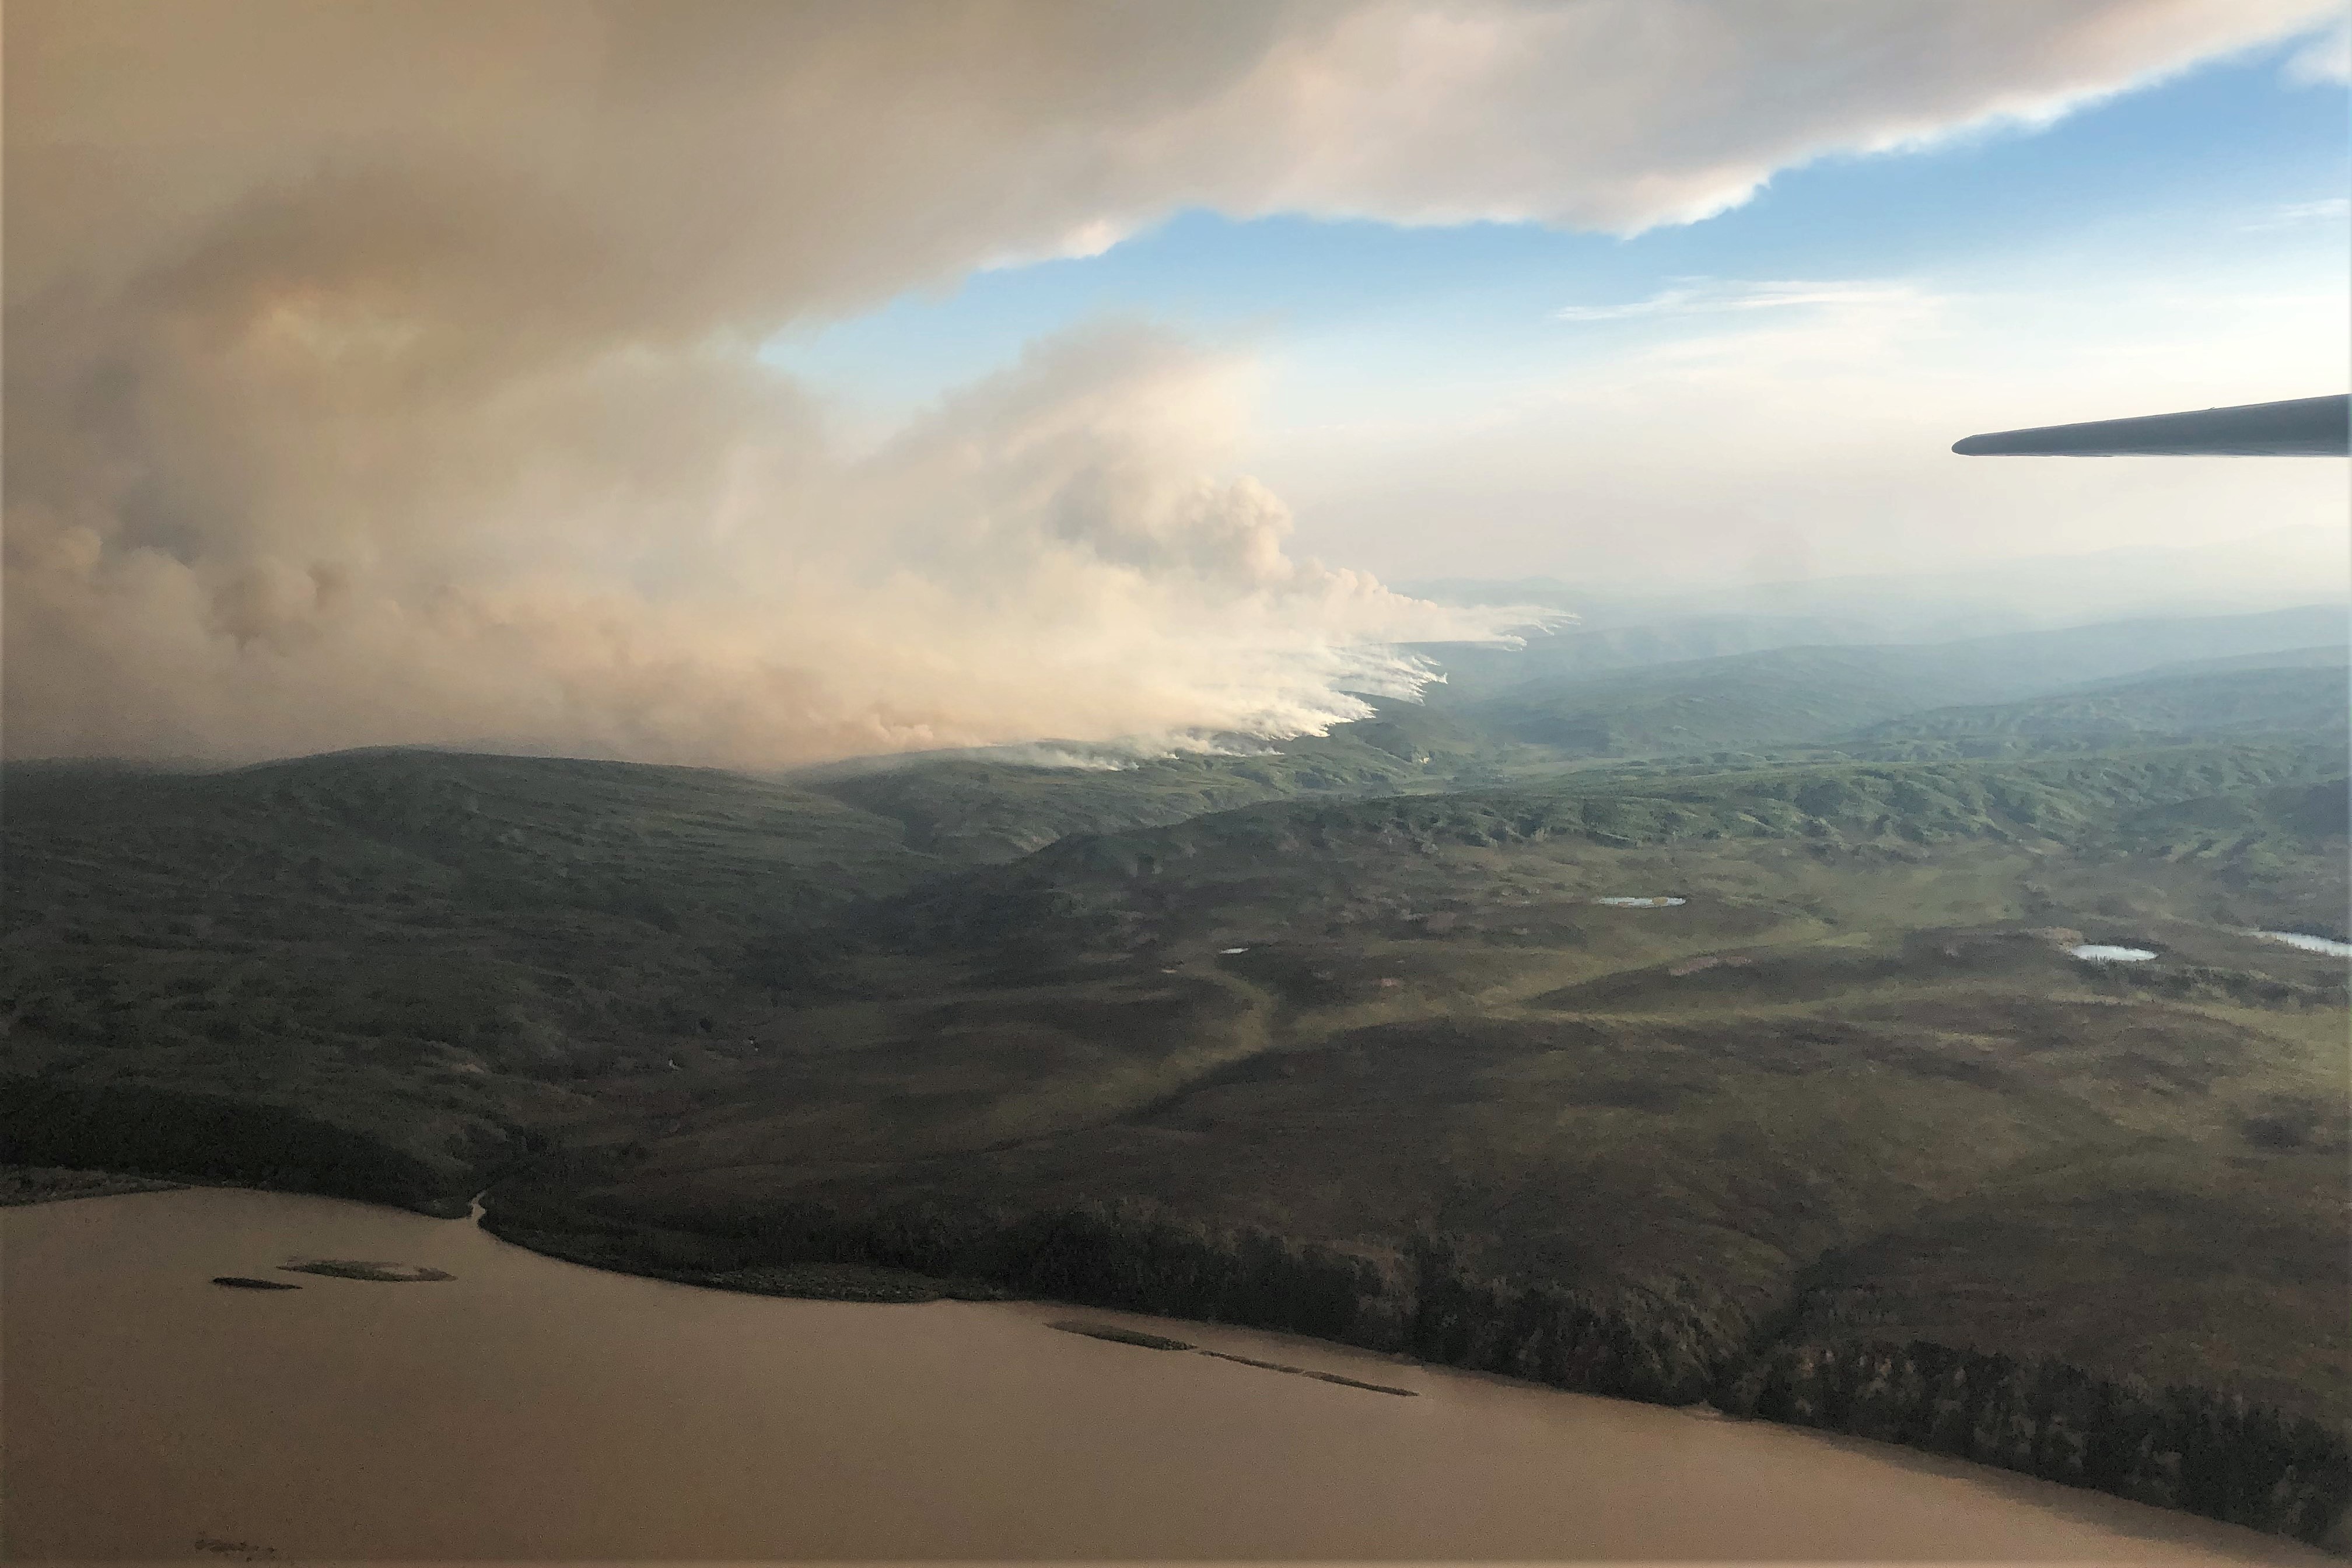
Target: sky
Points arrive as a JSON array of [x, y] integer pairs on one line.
[[754, 385], [1803, 361]]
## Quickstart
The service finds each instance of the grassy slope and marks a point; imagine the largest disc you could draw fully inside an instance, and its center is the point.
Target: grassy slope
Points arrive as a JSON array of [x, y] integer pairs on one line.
[[2308, 701], [970, 807], [1777, 698], [427, 949], [1434, 1029]]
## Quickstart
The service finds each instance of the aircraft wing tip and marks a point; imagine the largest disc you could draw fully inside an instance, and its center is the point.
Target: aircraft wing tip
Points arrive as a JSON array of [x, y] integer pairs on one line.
[[2295, 426]]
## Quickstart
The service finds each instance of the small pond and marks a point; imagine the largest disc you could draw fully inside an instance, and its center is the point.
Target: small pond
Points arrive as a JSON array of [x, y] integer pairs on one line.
[[2308, 943], [2104, 952], [1623, 902]]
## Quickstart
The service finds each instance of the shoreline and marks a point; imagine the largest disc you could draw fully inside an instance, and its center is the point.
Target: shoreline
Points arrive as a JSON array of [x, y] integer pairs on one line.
[[22, 1186], [1757, 1363], [961, 1352], [870, 1284]]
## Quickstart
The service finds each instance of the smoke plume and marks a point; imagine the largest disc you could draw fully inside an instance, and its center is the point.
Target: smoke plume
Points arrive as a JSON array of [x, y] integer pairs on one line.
[[388, 372]]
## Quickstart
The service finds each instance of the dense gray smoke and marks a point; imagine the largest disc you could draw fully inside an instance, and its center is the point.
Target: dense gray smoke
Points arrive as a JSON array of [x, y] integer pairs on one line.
[[383, 373]]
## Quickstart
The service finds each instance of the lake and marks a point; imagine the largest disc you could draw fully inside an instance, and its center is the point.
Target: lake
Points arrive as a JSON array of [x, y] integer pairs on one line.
[[527, 1408], [2310, 943]]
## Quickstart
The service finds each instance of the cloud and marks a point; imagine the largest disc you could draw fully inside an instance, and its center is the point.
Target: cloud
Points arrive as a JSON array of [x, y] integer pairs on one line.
[[1784, 444], [1703, 297], [2326, 58], [2327, 209], [387, 371]]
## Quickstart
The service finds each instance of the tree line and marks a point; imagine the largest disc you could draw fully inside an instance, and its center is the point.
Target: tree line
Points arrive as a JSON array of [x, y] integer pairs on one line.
[[2208, 1453], [168, 1133], [1667, 1341]]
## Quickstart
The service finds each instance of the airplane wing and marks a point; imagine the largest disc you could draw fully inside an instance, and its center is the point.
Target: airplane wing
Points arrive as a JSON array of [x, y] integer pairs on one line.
[[2300, 427]]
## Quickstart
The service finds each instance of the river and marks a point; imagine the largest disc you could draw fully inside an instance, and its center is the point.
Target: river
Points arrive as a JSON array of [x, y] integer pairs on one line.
[[532, 1409]]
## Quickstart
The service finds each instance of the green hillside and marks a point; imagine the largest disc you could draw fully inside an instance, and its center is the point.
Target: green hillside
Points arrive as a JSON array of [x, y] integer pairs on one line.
[[1785, 697], [414, 949], [2308, 701], [973, 807]]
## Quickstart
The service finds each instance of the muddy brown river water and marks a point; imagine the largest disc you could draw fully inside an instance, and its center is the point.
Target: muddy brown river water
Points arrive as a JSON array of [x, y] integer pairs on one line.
[[532, 1409]]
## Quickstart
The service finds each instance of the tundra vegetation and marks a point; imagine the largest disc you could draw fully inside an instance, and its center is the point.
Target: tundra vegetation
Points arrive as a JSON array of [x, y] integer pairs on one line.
[[1340, 1037]]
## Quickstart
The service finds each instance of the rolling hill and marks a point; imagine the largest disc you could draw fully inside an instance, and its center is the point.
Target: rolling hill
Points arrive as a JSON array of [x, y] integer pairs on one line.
[[2034, 688], [2303, 700], [1997, 667]]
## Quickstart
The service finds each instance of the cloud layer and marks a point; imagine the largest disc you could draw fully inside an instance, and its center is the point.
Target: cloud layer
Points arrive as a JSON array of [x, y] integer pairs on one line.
[[385, 372]]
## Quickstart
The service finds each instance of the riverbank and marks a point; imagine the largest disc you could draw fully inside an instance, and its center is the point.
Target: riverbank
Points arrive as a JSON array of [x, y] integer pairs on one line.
[[676, 1258], [22, 1184], [2194, 1450], [204, 1138], [2184, 1449], [556, 1413]]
